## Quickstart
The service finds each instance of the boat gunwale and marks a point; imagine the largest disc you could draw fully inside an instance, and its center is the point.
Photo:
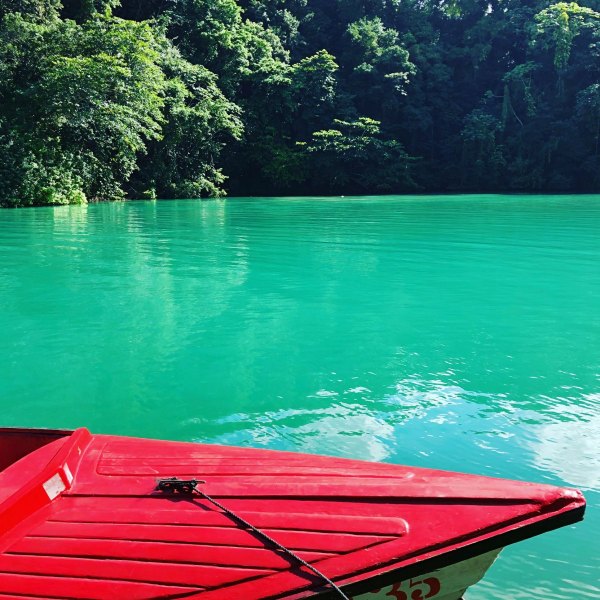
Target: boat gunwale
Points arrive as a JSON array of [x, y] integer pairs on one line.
[[356, 586], [32, 495]]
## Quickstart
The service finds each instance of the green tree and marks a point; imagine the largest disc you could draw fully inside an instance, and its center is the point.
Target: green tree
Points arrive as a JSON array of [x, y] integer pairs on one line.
[[380, 64], [35, 10], [199, 120], [588, 116], [354, 157], [214, 34], [518, 83], [83, 103], [558, 26], [482, 158], [283, 17], [300, 98]]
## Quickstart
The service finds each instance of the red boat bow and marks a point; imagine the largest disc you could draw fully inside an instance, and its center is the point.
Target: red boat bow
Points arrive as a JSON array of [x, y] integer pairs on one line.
[[81, 518]]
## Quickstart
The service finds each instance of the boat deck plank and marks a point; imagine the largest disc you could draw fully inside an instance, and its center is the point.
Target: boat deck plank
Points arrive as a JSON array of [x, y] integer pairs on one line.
[[199, 553], [197, 576], [85, 587], [83, 509], [307, 541]]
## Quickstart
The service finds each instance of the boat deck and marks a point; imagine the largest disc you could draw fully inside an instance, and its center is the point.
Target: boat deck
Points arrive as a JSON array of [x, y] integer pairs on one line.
[[90, 523]]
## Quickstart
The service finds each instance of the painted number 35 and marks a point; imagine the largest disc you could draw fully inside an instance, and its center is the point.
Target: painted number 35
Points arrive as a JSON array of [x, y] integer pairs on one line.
[[415, 589]]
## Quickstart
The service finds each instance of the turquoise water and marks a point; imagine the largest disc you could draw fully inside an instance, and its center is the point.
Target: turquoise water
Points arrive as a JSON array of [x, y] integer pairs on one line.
[[447, 332]]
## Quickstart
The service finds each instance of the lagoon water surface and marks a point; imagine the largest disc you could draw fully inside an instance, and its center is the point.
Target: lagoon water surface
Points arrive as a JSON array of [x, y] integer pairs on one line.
[[455, 332]]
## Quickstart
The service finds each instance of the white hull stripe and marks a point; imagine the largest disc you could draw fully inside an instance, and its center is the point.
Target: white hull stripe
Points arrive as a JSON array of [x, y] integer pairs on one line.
[[448, 583]]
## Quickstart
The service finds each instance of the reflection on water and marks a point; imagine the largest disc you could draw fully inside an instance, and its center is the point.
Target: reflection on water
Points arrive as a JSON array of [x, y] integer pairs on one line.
[[369, 429], [570, 450], [341, 429], [458, 333]]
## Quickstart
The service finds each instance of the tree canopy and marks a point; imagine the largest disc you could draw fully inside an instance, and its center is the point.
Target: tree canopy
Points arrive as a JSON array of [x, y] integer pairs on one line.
[[106, 99]]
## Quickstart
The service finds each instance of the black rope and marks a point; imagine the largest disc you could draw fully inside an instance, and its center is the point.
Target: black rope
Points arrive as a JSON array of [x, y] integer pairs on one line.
[[175, 485]]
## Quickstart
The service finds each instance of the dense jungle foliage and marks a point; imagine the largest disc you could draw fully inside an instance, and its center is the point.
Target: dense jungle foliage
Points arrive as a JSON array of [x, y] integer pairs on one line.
[[106, 99]]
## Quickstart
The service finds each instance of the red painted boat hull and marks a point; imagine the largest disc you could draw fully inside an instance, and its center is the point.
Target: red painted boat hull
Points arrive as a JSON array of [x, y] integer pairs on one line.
[[80, 517]]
